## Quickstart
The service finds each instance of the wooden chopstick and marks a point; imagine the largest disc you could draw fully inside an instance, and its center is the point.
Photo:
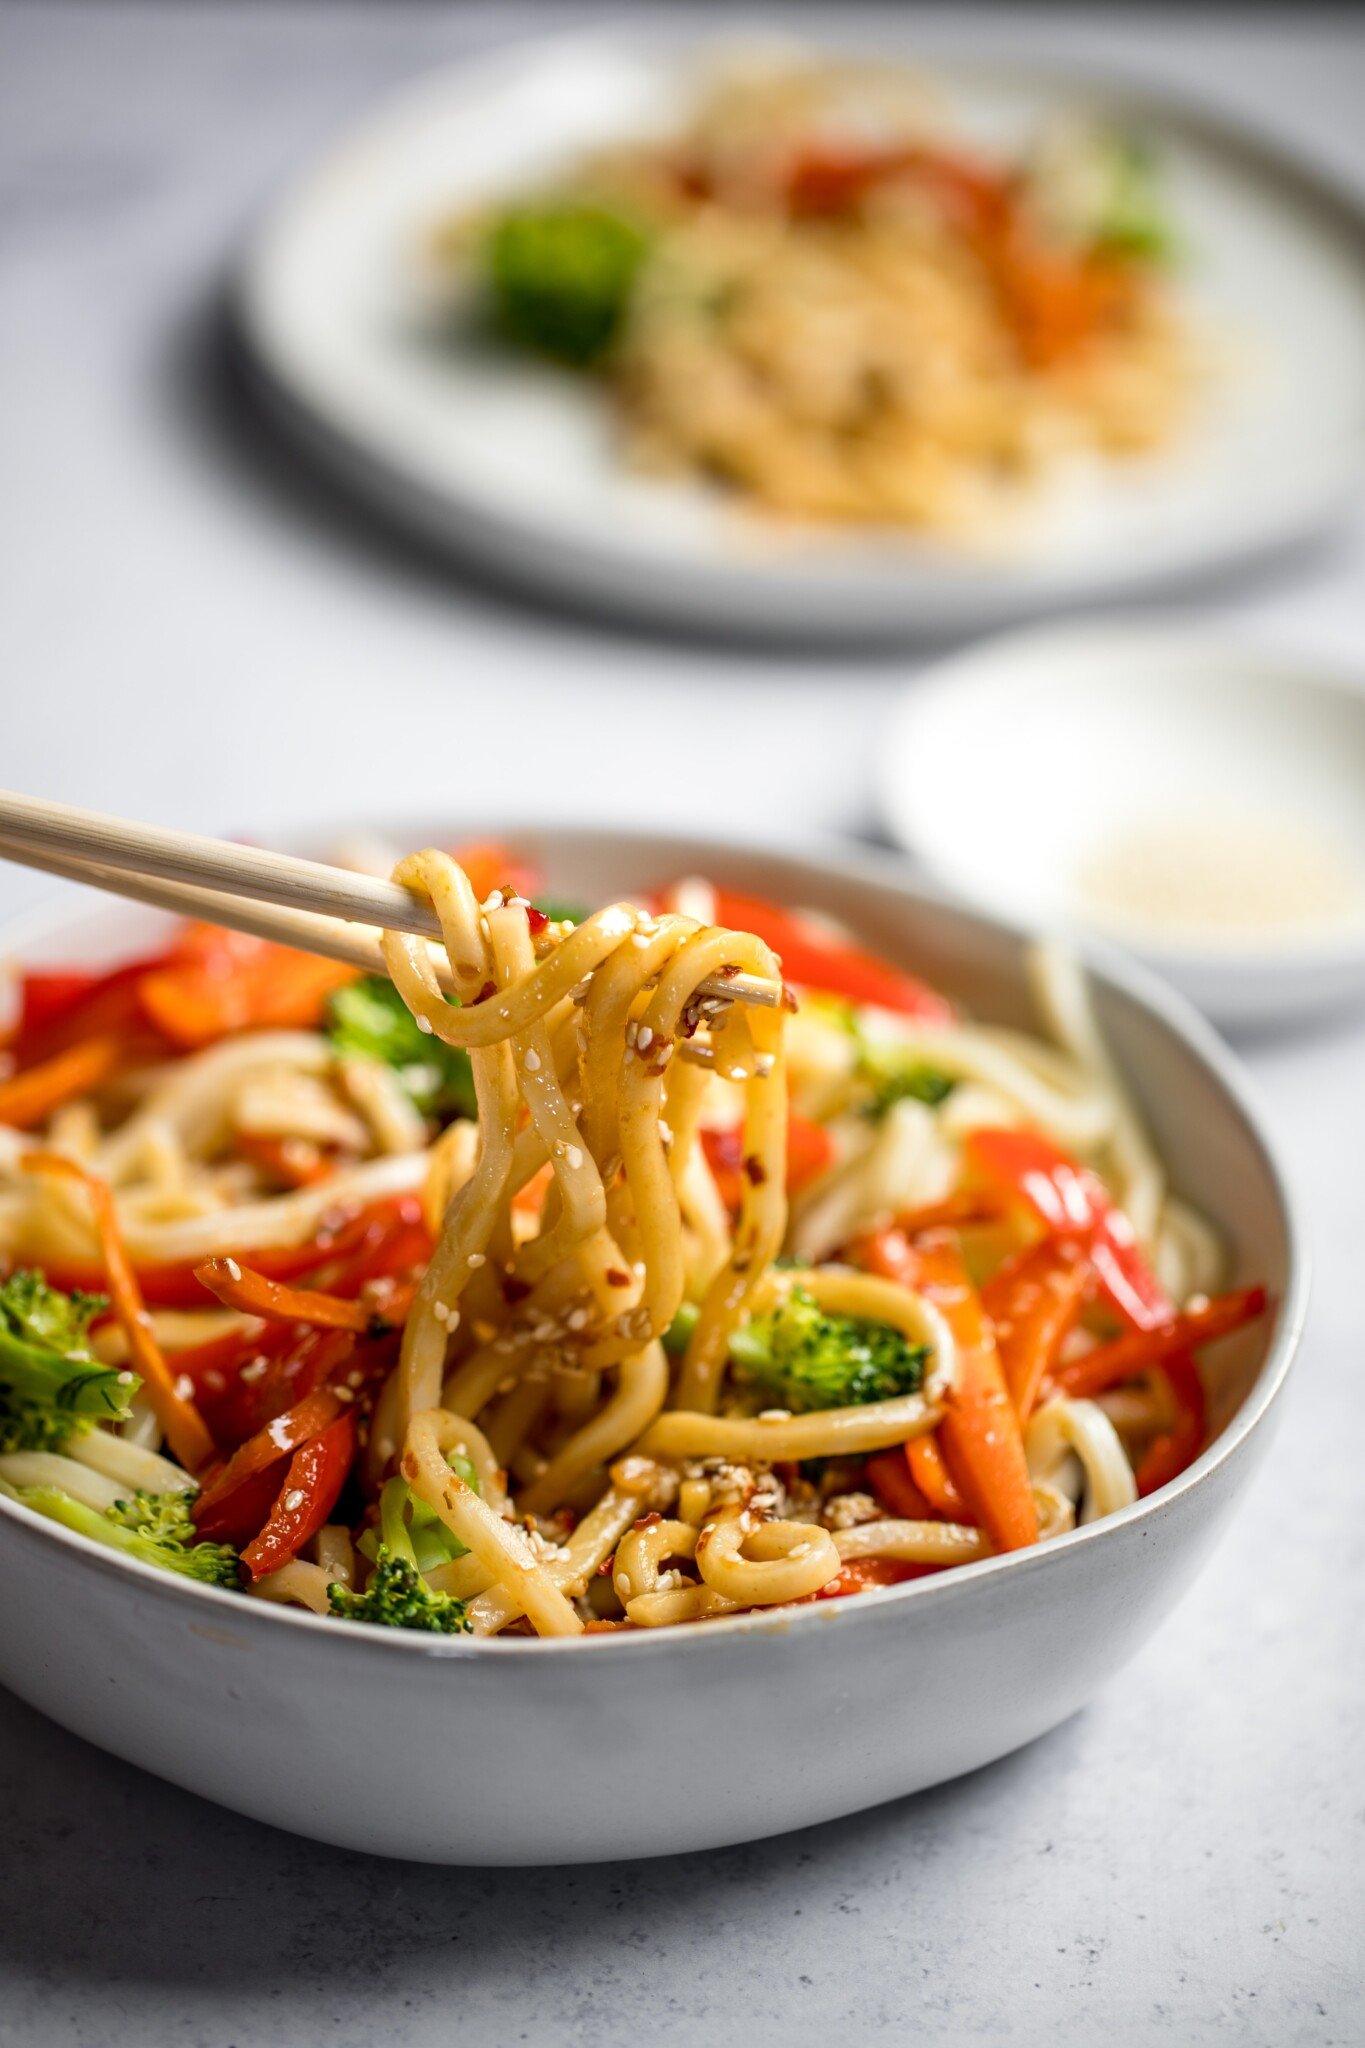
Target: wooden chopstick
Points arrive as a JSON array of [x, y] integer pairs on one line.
[[355, 945], [302, 903]]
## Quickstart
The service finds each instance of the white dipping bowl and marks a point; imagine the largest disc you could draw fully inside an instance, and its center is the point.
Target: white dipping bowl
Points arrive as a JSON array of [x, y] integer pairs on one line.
[[1017, 771], [505, 1752]]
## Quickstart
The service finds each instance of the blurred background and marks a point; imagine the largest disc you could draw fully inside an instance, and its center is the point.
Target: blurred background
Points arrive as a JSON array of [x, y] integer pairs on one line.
[[198, 627]]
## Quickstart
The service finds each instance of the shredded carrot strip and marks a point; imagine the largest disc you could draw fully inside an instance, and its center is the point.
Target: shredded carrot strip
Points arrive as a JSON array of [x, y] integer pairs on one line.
[[184, 1427], [31, 1097], [1033, 1302], [979, 1435], [933, 1478], [239, 1286]]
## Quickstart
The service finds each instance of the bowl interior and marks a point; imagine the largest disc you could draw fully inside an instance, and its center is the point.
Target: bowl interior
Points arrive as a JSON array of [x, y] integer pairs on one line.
[[1185, 1084]]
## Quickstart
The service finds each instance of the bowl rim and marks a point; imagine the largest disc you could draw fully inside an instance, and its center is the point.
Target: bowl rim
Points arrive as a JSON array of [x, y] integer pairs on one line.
[[851, 865]]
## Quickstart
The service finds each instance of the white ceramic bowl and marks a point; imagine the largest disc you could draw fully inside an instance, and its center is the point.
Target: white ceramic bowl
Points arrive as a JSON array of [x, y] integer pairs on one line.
[[526, 1752], [1229, 774]]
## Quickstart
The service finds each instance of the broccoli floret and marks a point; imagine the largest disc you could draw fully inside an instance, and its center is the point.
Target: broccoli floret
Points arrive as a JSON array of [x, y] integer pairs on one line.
[[561, 913], [411, 1539], [154, 1527], [815, 1360], [561, 277], [410, 1527], [903, 1081], [1134, 222], [369, 1018], [397, 1596], [52, 1386], [678, 1335]]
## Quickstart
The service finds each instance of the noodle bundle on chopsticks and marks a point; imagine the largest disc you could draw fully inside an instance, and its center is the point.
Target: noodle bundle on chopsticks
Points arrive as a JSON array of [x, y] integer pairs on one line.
[[591, 1299]]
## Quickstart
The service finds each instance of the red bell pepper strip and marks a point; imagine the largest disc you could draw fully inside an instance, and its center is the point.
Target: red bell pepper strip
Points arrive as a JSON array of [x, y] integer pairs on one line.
[[810, 1149], [813, 959], [315, 1478], [1072, 1202], [356, 1239], [243, 1513], [287, 1433], [58, 1011], [1168, 1455], [244, 1380], [219, 982], [827, 180], [1034, 1301], [1109, 1365]]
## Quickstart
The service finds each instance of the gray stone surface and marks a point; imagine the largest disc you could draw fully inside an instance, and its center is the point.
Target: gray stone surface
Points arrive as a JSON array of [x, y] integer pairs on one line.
[[189, 630]]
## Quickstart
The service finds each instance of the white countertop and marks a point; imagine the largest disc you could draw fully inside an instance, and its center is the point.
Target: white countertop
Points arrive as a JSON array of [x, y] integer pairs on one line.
[[190, 631]]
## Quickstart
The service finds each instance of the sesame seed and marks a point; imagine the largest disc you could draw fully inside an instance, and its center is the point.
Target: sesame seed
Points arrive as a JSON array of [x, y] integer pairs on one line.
[[424, 1025], [184, 1387], [255, 1371], [644, 1038], [532, 1060], [574, 1157], [234, 1270], [126, 1379], [295, 1498], [476, 1259]]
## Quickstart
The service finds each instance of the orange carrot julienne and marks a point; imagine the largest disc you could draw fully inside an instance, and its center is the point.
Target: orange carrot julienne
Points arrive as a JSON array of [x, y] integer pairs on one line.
[[979, 1434], [239, 1286], [931, 1476], [1033, 1302], [31, 1097], [888, 1474], [185, 1429]]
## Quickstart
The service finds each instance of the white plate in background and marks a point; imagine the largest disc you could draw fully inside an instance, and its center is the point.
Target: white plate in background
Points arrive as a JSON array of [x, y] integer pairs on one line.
[[1196, 800], [513, 466]]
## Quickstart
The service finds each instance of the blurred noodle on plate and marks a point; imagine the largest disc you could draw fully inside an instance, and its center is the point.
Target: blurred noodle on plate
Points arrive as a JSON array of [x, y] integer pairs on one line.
[[817, 296]]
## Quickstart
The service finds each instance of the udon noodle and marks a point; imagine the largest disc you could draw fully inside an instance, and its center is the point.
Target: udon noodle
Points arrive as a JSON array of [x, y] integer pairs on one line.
[[670, 1307]]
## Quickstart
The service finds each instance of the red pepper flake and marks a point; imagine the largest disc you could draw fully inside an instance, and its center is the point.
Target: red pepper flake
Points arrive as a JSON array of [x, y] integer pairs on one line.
[[490, 988], [616, 1278], [514, 1289], [536, 919], [607, 1566], [754, 1171]]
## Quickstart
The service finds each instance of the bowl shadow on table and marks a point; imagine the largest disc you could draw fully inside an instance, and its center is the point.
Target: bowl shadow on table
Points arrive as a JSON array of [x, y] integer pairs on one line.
[[114, 1875], [246, 432]]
